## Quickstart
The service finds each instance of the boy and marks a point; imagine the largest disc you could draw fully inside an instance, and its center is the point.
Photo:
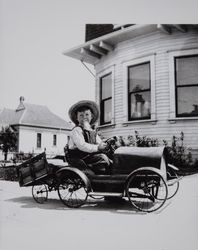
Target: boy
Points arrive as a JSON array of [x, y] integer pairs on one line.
[[84, 143]]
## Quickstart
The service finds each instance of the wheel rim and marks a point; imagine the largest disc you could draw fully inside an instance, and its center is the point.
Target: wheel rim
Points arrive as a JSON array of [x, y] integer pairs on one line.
[[40, 193], [173, 183], [146, 190], [72, 192]]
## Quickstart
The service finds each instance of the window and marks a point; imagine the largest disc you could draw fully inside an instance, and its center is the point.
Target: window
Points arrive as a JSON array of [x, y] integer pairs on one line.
[[54, 140], [38, 140], [186, 85], [106, 99], [139, 91]]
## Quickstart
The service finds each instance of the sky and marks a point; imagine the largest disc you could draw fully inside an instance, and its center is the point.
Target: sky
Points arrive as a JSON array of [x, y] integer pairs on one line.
[[34, 34]]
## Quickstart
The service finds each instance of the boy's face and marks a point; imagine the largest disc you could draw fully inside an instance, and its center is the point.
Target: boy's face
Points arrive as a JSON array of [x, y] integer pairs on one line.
[[84, 116]]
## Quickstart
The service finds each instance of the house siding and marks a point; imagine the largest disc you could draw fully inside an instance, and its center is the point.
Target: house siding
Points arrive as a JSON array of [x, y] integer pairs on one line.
[[159, 45], [28, 140]]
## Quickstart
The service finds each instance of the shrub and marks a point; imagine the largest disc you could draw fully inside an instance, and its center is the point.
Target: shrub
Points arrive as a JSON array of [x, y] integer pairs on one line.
[[144, 141], [21, 156], [138, 141], [8, 140], [178, 154], [8, 173]]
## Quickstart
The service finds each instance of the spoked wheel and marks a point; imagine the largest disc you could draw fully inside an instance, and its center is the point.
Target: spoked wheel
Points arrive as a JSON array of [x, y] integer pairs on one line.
[[147, 190], [173, 183], [72, 191], [40, 193]]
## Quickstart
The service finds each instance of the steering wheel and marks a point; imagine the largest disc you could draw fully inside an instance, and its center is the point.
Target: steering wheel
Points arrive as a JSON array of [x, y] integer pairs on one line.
[[111, 146]]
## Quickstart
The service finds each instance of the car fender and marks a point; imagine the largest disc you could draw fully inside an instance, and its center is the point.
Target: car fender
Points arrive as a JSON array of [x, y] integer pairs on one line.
[[69, 170]]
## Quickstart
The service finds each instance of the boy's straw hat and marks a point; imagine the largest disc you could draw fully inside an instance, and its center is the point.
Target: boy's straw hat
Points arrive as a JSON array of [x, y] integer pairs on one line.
[[85, 103]]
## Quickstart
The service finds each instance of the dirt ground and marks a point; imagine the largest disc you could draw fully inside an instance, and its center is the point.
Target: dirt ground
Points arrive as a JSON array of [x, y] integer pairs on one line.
[[27, 225]]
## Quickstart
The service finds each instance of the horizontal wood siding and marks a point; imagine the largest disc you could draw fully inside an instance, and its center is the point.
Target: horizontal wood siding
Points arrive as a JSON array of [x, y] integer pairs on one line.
[[158, 44]]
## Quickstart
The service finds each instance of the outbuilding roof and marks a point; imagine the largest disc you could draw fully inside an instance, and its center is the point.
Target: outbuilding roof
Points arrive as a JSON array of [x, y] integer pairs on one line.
[[32, 115]]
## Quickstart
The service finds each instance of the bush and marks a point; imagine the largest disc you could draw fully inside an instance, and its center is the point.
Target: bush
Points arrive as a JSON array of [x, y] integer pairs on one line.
[[8, 173], [138, 141], [21, 156], [145, 141], [178, 154]]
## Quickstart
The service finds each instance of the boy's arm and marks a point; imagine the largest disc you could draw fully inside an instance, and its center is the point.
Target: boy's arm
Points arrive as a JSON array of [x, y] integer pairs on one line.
[[98, 139]]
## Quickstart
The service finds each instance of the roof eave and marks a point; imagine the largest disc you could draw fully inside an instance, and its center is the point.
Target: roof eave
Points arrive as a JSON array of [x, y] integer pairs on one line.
[[41, 126], [91, 51]]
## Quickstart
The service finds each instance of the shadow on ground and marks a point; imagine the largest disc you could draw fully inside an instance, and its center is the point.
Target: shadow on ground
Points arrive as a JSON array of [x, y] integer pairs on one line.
[[122, 207]]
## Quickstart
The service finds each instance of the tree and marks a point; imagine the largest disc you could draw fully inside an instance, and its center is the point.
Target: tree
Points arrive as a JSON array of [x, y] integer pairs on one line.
[[8, 140]]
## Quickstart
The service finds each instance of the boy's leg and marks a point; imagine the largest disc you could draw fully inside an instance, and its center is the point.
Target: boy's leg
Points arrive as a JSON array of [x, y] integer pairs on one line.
[[99, 163]]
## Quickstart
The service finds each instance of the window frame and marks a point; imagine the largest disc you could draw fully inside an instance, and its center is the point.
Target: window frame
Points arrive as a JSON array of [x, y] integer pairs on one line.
[[103, 101], [130, 118], [172, 82], [54, 137], [38, 145], [126, 65], [109, 70], [182, 86]]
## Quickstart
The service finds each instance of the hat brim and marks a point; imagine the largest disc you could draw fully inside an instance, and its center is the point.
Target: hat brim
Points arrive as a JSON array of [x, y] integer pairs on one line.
[[85, 103]]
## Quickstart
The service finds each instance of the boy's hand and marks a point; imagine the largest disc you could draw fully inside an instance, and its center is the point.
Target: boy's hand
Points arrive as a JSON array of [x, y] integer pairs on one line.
[[102, 146]]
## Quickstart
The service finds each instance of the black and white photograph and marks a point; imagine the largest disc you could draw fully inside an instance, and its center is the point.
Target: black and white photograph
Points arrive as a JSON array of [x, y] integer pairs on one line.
[[98, 125]]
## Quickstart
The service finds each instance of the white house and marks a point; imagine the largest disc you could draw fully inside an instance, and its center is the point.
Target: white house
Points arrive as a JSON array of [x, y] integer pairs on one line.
[[146, 79], [38, 129]]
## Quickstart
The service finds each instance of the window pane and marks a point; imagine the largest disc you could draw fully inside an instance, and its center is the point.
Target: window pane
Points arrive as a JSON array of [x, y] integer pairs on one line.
[[140, 105], [54, 140], [38, 140], [139, 77], [106, 86], [187, 70], [187, 101], [107, 111]]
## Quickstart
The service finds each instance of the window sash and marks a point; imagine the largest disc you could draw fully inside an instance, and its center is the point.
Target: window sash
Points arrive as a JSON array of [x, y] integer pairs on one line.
[[187, 89], [106, 113], [184, 104], [138, 107], [39, 138], [186, 68], [141, 79], [54, 140], [106, 99]]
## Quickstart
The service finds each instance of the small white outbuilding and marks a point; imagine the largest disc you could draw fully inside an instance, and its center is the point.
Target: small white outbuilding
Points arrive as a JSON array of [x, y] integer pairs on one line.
[[37, 128]]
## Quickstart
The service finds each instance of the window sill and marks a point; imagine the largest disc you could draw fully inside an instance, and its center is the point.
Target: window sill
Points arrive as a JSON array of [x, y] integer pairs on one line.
[[112, 125], [153, 121], [174, 120]]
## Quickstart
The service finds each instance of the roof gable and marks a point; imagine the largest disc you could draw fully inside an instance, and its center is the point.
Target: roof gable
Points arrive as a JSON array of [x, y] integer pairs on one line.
[[7, 117], [32, 115], [41, 116]]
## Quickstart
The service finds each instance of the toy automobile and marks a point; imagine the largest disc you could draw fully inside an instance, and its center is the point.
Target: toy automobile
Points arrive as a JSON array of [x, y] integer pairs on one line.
[[139, 174]]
